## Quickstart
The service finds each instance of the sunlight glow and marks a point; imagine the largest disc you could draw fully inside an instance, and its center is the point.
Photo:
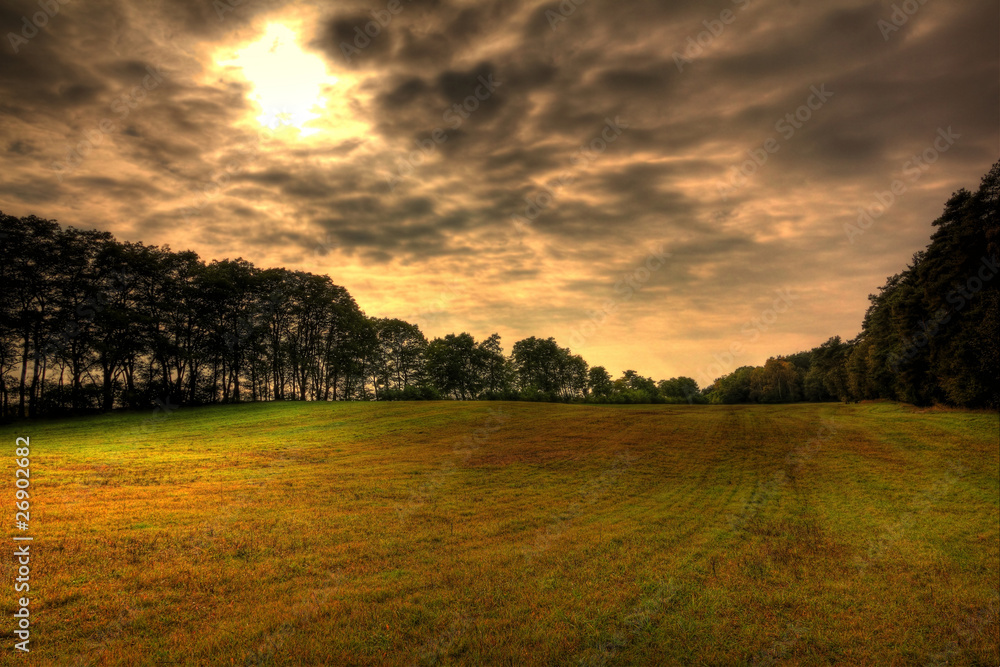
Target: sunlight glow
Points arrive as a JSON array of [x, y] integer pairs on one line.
[[287, 82]]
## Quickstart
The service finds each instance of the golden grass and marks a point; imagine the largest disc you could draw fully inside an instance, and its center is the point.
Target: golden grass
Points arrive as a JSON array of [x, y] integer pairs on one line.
[[513, 534]]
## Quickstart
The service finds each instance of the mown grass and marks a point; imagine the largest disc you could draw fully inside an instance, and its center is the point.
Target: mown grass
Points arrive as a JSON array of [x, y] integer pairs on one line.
[[513, 534]]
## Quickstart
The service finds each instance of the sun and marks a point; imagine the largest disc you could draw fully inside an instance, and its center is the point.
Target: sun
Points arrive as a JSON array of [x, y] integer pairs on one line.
[[288, 83]]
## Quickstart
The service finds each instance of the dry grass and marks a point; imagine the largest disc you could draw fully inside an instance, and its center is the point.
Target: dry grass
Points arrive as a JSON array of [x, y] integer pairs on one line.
[[514, 534]]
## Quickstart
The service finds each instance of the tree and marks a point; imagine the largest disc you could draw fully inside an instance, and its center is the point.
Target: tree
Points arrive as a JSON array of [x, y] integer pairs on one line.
[[540, 368], [733, 388], [452, 366], [77, 300], [775, 382], [28, 246], [599, 382], [680, 389], [401, 347], [574, 377], [493, 367], [634, 388]]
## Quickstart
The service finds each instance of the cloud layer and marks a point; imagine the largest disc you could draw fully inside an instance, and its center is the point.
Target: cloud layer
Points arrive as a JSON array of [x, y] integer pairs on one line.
[[644, 181]]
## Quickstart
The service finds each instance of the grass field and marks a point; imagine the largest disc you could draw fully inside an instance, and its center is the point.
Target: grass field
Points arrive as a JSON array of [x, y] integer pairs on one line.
[[511, 534]]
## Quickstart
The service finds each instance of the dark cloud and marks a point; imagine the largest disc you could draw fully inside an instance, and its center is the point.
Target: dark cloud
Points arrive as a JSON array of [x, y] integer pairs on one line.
[[403, 95], [346, 42], [21, 147], [519, 198]]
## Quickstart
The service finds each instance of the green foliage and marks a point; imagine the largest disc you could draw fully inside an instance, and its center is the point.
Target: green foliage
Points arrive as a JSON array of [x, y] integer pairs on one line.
[[544, 371], [411, 393], [599, 382], [679, 388], [931, 334]]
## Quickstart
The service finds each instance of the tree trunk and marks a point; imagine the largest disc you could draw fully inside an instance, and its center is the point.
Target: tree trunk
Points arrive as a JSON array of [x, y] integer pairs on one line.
[[24, 375], [106, 390]]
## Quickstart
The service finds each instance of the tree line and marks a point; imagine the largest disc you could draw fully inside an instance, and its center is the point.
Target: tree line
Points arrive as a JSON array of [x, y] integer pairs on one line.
[[90, 323], [931, 333]]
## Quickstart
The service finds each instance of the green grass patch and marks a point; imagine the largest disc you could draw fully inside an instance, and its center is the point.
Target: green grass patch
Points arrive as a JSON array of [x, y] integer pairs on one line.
[[514, 533]]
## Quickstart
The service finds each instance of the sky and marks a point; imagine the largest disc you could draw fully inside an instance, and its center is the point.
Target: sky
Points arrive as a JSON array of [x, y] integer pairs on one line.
[[678, 188]]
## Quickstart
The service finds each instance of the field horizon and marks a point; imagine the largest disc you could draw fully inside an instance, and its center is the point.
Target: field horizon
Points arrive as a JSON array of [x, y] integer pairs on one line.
[[515, 533]]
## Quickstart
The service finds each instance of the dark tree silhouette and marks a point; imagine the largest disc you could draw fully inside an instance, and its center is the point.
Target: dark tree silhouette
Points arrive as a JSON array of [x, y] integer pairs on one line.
[[91, 323]]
